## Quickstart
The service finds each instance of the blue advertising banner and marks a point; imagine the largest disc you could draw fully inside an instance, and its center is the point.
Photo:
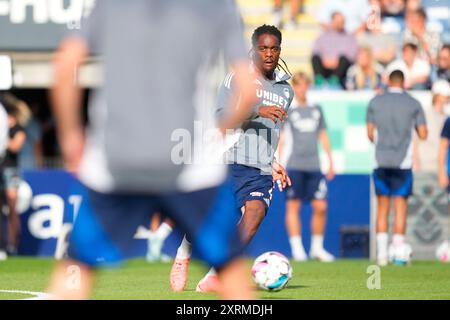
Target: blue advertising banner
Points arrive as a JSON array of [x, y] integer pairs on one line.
[[47, 216]]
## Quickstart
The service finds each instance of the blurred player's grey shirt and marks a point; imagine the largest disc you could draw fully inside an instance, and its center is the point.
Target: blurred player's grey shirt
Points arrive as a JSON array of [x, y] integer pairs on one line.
[[258, 142], [302, 131], [395, 115], [156, 58]]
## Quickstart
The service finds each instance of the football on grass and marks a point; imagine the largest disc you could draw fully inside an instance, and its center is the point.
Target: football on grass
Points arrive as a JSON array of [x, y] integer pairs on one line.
[[272, 271]]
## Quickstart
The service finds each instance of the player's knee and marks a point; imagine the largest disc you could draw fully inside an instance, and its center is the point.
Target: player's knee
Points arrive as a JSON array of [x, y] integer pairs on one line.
[[293, 207], [320, 207]]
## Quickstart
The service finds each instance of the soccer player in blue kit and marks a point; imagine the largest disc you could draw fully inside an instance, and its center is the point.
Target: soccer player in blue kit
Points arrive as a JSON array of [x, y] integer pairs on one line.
[[252, 165], [391, 119]]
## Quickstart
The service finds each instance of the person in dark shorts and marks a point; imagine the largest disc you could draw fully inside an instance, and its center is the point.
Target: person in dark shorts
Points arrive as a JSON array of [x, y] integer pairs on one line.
[[305, 129], [391, 119]]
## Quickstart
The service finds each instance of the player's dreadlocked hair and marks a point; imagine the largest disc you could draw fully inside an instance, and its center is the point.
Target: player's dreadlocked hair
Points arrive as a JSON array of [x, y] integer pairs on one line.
[[274, 31]]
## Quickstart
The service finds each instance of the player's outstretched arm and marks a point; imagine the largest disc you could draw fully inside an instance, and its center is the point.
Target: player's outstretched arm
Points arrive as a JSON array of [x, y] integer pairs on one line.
[[66, 99]]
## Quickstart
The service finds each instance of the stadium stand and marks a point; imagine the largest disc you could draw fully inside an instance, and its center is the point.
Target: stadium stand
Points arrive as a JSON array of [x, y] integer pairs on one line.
[[298, 43]]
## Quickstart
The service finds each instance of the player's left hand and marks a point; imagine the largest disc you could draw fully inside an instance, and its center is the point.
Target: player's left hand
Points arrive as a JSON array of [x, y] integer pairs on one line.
[[280, 176]]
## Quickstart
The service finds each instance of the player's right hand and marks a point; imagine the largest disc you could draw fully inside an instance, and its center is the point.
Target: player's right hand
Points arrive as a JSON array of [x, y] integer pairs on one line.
[[274, 113]]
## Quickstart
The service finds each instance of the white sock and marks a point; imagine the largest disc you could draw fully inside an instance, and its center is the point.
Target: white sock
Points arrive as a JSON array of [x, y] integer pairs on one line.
[[398, 239], [163, 231], [317, 242], [211, 272], [297, 246], [184, 250], [382, 244]]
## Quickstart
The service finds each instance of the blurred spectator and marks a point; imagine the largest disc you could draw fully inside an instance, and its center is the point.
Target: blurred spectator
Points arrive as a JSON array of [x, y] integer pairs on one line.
[[31, 156], [442, 69], [295, 7], [441, 96], [18, 116], [426, 152], [355, 12], [416, 70], [384, 45], [366, 73], [392, 8], [428, 42], [333, 53], [387, 16]]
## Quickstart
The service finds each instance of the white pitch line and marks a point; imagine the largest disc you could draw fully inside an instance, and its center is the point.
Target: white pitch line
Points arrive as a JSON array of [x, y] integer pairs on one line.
[[37, 295]]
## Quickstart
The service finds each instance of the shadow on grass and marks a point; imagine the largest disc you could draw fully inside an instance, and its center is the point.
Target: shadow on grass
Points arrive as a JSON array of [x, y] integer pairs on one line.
[[287, 288], [295, 287]]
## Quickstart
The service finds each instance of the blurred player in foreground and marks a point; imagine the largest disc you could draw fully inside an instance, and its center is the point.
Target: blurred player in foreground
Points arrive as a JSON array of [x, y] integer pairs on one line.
[[391, 119], [154, 63], [305, 128], [252, 166]]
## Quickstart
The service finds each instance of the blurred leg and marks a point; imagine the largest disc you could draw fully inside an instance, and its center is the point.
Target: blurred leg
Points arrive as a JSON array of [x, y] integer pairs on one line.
[[341, 70], [295, 8], [235, 282], [383, 206], [71, 281], [293, 222], [319, 217], [318, 222], [155, 222], [400, 208], [293, 226], [13, 219], [318, 67], [277, 17]]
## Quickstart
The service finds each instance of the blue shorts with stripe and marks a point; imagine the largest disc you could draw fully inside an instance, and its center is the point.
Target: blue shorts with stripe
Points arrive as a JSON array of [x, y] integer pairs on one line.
[[106, 224], [307, 185], [250, 184], [393, 182]]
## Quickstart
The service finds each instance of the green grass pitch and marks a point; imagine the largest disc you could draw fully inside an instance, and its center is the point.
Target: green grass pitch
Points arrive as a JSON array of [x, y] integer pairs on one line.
[[344, 279]]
